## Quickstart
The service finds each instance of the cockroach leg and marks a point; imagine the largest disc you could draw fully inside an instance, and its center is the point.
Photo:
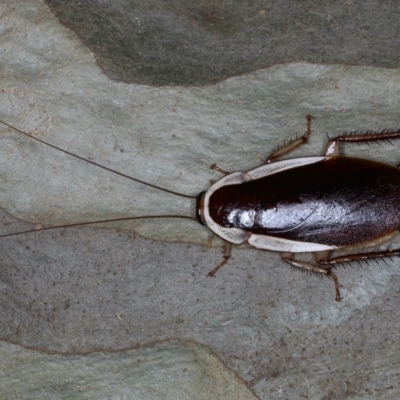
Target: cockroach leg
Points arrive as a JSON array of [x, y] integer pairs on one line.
[[227, 256], [333, 145], [360, 257], [216, 168], [316, 268], [292, 144], [321, 255]]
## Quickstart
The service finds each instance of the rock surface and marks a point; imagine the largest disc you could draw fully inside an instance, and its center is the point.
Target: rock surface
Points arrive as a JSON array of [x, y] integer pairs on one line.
[[177, 42], [122, 287], [167, 371]]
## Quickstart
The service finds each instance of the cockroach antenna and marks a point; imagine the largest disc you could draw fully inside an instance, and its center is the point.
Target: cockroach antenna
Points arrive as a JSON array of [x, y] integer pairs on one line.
[[98, 165], [109, 170], [47, 228]]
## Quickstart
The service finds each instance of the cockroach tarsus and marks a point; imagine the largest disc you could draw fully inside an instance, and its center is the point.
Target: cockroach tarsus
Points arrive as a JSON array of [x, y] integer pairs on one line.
[[300, 205]]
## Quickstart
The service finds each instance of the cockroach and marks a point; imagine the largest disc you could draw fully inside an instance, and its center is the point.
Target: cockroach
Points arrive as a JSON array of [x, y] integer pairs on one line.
[[299, 205]]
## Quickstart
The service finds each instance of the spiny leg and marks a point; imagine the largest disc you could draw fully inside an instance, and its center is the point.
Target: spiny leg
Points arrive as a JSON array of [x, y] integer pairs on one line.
[[293, 144], [333, 145], [216, 168], [227, 256], [314, 268], [360, 257], [285, 149]]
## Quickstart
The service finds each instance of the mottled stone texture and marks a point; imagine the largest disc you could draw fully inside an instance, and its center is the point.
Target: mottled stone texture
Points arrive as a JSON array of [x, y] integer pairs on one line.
[[180, 42], [124, 287], [166, 371]]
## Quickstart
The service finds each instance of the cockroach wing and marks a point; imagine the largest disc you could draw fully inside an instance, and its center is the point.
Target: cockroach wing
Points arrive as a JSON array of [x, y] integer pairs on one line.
[[238, 235], [266, 242], [306, 204], [339, 202]]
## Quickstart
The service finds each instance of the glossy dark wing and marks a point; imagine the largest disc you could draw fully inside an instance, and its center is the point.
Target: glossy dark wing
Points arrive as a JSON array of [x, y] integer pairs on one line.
[[340, 201]]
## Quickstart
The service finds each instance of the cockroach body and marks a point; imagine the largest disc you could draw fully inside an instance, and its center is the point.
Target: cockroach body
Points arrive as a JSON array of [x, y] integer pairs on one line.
[[300, 205], [306, 204]]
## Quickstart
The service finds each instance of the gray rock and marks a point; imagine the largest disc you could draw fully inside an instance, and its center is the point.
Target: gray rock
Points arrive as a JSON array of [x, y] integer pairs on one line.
[[174, 370], [114, 288], [177, 42]]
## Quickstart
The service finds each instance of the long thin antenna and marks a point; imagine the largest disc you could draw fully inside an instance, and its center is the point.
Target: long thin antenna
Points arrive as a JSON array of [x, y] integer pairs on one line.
[[99, 165], [97, 222]]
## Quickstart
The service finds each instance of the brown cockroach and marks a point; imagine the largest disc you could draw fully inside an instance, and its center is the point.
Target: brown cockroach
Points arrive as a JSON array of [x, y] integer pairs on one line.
[[299, 205]]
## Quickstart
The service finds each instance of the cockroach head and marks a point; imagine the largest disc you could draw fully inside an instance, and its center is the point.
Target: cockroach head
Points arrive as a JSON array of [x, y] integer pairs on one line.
[[200, 208]]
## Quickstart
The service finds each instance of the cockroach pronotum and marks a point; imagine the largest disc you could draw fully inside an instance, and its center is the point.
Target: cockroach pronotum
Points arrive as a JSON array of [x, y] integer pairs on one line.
[[299, 205]]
